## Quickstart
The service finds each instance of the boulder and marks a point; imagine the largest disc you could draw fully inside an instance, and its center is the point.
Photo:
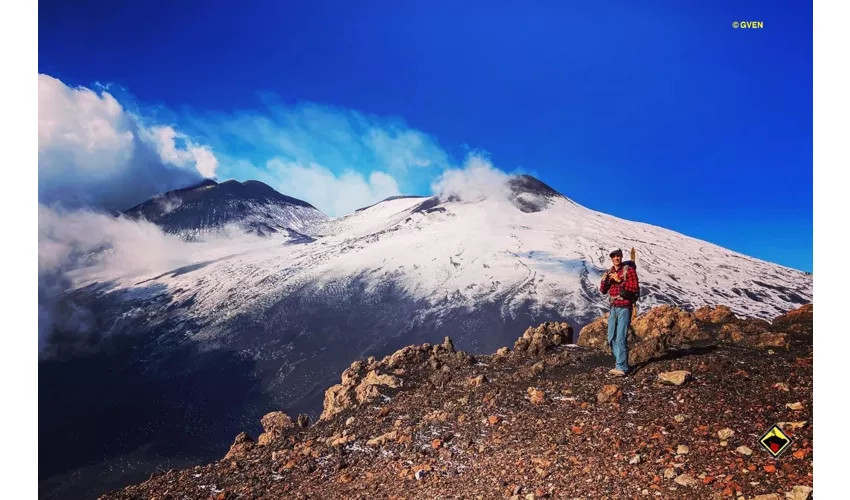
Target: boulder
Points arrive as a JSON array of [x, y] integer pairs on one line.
[[677, 325], [543, 338], [716, 315], [801, 315], [647, 349], [241, 445], [595, 334], [276, 422], [677, 377], [608, 393], [337, 399]]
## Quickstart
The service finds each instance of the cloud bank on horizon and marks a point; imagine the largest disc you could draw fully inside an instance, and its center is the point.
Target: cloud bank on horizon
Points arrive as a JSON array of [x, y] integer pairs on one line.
[[93, 152], [97, 152]]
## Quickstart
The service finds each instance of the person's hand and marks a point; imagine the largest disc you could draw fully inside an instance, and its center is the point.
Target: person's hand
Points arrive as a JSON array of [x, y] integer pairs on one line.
[[615, 277]]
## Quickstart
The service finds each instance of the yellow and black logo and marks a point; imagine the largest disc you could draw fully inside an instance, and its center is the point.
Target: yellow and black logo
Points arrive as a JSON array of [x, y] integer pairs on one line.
[[775, 441]]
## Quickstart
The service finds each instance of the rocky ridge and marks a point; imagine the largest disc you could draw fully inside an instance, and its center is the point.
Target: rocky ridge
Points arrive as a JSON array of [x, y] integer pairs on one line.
[[544, 420]]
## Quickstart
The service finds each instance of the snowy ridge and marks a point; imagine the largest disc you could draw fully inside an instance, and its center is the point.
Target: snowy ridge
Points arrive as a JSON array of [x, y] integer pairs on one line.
[[460, 254]]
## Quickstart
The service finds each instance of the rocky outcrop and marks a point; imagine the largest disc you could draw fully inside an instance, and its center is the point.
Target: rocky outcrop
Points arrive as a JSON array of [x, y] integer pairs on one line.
[[274, 424], [365, 381], [801, 315], [654, 332], [241, 445], [676, 325], [545, 337], [718, 315]]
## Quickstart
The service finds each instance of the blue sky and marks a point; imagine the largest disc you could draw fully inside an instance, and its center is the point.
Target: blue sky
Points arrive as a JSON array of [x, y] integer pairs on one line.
[[654, 111]]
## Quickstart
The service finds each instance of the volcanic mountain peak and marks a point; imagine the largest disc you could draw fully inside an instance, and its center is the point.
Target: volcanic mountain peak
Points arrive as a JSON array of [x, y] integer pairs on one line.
[[210, 206]]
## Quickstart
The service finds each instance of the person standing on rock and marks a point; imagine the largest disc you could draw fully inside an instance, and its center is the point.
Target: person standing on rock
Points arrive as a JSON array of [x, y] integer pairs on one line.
[[621, 285]]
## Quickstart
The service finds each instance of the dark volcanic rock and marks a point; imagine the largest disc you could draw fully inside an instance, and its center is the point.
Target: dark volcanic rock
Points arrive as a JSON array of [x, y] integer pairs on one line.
[[208, 206]]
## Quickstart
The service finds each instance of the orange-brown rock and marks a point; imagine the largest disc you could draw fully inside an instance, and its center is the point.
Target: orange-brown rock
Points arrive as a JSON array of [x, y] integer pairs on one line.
[[719, 314], [536, 396], [668, 321], [595, 334], [546, 336], [803, 314], [240, 446], [608, 393], [647, 349]]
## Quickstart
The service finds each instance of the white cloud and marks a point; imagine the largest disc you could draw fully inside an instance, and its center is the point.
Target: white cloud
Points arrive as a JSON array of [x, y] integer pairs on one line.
[[192, 154], [336, 159], [334, 194], [93, 152], [477, 180], [82, 246]]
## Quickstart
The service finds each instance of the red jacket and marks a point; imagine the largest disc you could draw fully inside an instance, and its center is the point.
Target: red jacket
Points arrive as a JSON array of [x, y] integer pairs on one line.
[[629, 283]]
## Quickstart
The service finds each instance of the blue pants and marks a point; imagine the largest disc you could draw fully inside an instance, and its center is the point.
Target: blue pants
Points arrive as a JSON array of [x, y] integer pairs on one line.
[[618, 328]]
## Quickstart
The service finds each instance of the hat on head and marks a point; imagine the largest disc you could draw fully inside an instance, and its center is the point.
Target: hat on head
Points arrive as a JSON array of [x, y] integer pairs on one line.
[[616, 252]]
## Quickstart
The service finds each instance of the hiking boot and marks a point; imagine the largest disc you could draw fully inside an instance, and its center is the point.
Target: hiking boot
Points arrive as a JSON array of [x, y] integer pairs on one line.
[[617, 373]]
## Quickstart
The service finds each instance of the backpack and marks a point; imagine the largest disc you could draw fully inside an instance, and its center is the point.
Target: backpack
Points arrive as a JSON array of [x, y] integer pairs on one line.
[[632, 297]]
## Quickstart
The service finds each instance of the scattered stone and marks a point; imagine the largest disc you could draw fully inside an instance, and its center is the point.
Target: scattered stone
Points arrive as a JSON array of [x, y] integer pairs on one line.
[[349, 421], [477, 381], [634, 460], [608, 393], [382, 439], [503, 352], [420, 474], [536, 396], [682, 450], [686, 480], [669, 473], [744, 450], [538, 368], [782, 386], [679, 418], [494, 419], [799, 493], [725, 434], [677, 377], [792, 426], [795, 406], [769, 496]]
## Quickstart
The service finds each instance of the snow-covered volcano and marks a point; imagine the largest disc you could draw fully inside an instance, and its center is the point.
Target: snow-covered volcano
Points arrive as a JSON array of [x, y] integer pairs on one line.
[[249, 206], [206, 349]]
